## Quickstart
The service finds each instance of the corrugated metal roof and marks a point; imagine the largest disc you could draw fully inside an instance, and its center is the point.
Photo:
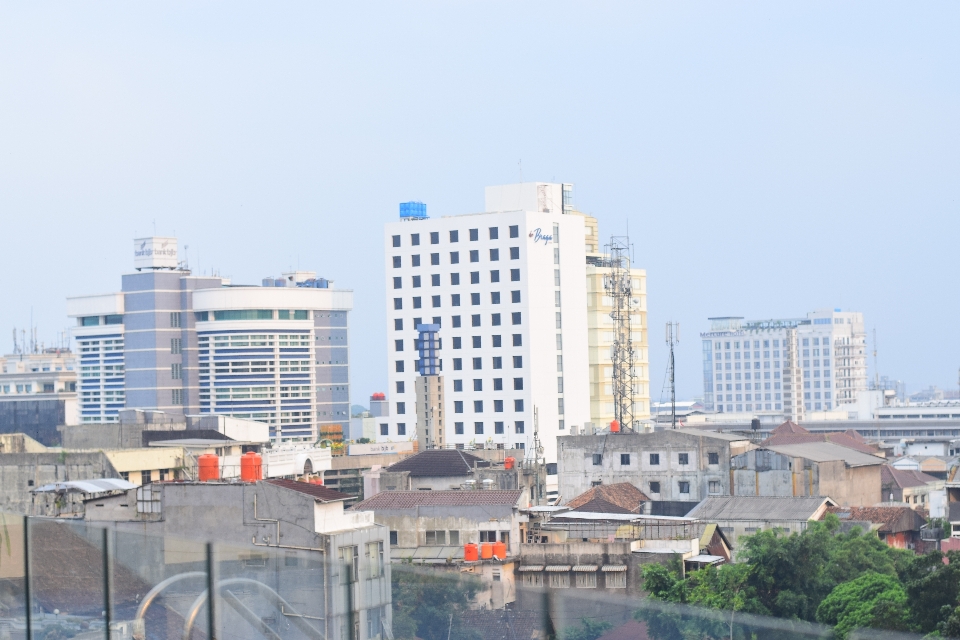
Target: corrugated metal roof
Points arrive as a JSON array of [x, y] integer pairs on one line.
[[584, 567], [96, 485], [318, 491], [826, 452], [613, 567], [531, 567], [442, 498], [558, 568], [758, 508], [705, 559]]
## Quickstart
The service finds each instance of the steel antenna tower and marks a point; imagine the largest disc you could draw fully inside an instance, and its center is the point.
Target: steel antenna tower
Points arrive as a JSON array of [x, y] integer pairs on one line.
[[673, 337], [618, 284]]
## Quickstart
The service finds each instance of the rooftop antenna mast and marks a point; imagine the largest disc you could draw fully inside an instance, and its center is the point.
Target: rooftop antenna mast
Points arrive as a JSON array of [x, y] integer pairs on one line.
[[876, 365], [618, 285], [673, 337]]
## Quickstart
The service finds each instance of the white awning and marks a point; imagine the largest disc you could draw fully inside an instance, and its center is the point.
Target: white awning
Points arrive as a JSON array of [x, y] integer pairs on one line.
[[584, 567], [705, 559], [96, 485], [558, 567], [530, 567], [614, 567]]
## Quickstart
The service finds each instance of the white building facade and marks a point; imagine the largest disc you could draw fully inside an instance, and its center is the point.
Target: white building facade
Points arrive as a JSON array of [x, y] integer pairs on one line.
[[192, 345], [508, 289], [788, 366]]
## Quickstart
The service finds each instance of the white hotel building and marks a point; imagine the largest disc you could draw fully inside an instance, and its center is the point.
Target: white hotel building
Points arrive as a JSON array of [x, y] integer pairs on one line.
[[507, 288], [787, 366]]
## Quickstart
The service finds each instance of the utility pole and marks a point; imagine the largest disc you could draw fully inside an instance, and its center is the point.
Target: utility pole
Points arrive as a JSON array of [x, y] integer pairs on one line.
[[673, 337]]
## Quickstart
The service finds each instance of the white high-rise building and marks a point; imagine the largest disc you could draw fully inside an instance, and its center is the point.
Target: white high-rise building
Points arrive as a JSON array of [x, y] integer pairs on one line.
[[788, 366], [508, 289]]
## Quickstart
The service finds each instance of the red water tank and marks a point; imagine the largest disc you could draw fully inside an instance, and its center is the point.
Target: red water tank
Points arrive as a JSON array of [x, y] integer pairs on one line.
[[471, 553], [316, 481], [508, 462], [486, 550], [500, 550], [251, 467], [208, 467], [614, 427]]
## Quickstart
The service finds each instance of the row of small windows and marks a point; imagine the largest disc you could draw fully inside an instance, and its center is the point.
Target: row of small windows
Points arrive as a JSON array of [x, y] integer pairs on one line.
[[416, 281], [806, 342], [95, 321], [495, 320], [253, 314], [750, 407], [492, 232], [458, 429], [476, 341], [435, 301], [653, 459], [496, 361], [474, 256]]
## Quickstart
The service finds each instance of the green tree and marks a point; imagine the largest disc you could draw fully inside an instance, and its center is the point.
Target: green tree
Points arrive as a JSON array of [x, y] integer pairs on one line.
[[588, 629], [426, 604], [873, 600], [932, 587]]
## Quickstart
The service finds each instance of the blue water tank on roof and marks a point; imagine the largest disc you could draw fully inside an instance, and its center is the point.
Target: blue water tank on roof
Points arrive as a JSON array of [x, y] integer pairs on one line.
[[413, 211]]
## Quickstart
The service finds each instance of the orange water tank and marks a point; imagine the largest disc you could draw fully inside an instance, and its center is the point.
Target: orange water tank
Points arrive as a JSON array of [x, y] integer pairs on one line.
[[614, 427], [251, 467], [471, 553], [317, 480], [208, 467], [508, 462], [500, 550], [486, 550]]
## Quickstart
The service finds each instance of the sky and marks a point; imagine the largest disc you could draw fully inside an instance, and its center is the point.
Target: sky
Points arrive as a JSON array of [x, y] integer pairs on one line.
[[768, 158]]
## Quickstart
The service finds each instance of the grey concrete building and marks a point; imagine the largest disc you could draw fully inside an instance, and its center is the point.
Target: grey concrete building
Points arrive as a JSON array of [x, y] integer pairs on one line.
[[433, 526], [849, 477], [292, 536], [671, 465]]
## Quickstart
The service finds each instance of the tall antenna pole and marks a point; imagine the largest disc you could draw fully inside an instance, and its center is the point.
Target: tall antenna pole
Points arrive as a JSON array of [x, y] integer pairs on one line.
[[673, 337], [618, 284], [876, 365]]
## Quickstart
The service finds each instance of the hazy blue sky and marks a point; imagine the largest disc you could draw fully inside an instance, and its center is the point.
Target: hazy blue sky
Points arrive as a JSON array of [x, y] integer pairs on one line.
[[771, 158]]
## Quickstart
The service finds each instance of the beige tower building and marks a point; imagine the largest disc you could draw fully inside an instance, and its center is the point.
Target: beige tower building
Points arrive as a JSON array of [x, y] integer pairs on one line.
[[600, 331]]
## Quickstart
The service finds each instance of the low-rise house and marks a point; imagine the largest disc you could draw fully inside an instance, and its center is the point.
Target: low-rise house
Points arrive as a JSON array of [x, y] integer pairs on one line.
[[909, 486], [738, 516], [670, 465], [899, 527], [432, 527], [622, 497], [809, 469], [437, 469]]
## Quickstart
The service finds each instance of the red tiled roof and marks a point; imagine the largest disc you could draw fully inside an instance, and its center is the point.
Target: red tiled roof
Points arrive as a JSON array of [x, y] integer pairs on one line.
[[437, 462], [599, 505], [890, 519], [442, 498], [781, 436], [318, 491], [623, 494], [789, 428], [903, 478]]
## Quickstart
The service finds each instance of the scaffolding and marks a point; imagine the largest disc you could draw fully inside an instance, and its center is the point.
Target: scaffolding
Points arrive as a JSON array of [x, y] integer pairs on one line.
[[618, 285]]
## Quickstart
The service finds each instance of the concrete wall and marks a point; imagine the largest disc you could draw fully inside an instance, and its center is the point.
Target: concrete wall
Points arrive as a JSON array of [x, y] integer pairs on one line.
[[22, 472], [411, 525], [766, 473], [577, 473], [36, 418]]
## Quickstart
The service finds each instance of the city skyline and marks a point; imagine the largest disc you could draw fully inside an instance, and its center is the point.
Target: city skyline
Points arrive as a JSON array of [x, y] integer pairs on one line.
[[759, 176]]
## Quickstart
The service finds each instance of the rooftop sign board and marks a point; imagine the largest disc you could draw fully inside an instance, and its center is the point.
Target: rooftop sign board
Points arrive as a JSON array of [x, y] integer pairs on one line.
[[155, 253]]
